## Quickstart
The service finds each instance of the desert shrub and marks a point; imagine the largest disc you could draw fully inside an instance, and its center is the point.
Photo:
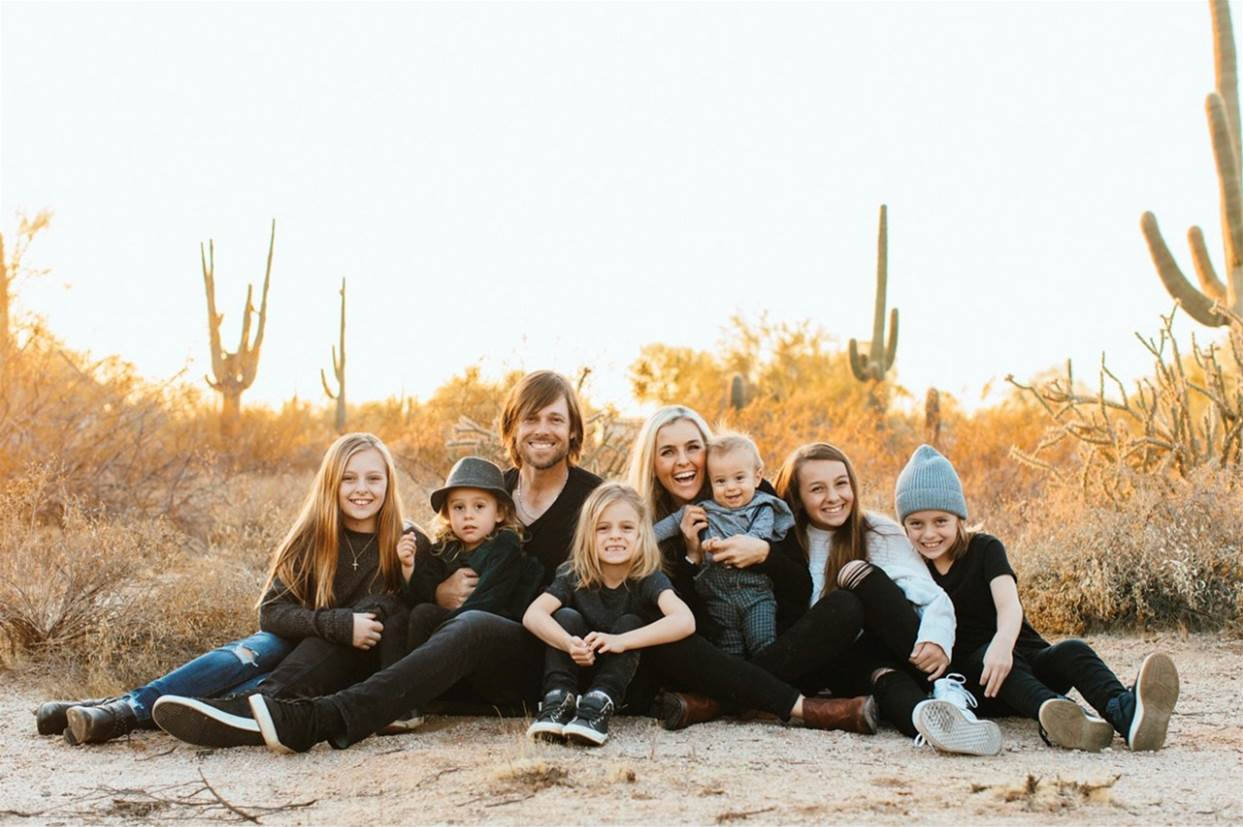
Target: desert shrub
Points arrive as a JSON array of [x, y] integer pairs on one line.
[[1168, 557]]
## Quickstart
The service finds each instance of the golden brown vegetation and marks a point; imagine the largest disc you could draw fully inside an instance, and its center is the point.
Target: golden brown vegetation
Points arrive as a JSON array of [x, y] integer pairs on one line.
[[134, 536]]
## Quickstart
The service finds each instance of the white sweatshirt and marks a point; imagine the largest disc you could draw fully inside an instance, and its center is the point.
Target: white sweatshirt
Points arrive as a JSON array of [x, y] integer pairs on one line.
[[889, 550]]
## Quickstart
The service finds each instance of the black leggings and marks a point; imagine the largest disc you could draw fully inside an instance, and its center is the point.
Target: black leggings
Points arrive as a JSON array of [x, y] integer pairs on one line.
[[611, 673], [1040, 673]]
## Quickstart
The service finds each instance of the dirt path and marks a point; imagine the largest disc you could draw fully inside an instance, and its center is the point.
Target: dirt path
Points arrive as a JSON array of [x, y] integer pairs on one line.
[[470, 769]]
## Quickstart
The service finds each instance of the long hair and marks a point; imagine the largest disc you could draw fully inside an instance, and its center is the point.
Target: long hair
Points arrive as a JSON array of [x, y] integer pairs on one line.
[[534, 392], [583, 559], [305, 562], [847, 541], [641, 472], [450, 547]]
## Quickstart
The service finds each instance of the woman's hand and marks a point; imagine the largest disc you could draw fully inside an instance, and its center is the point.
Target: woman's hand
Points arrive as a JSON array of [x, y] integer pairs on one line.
[[603, 642], [739, 551], [455, 588], [367, 630], [580, 652], [694, 520], [931, 658], [406, 547], [998, 659]]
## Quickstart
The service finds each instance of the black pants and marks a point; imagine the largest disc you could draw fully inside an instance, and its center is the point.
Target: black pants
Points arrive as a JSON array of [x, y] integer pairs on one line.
[[695, 665], [318, 667], [1040, 673], [848, 635], [611, 673], [491, 657]]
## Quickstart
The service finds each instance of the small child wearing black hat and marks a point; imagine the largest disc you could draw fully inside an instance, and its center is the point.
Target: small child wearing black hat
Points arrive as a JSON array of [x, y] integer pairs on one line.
[[476, 526], [1018, 671]]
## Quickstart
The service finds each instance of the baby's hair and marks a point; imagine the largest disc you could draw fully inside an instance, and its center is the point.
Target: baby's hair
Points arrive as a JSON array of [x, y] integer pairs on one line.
[[727, 442], [447, 545], [583, 560]]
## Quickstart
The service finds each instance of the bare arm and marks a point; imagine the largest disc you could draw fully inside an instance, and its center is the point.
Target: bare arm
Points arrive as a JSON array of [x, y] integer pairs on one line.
[[999, 657]]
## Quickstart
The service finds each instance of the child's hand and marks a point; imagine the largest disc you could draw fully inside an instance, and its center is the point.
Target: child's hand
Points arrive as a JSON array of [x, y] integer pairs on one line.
[[930, 658], [998, 659], [580, 652], [406, 547], [603, 642], [367, 630], [694, 520]]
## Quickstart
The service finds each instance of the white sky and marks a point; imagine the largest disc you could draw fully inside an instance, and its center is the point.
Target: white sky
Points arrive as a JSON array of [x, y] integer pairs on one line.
[[537, 185]]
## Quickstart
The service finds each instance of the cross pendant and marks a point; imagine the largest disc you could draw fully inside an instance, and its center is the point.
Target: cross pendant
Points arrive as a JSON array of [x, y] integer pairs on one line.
[[355, 565]]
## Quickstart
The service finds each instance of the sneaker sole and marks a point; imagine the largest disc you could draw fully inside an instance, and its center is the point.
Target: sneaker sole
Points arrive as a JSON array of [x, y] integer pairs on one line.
[[584, 735], [267, 728], [545, 731], [871, 716], [1067, 725], [195, 722], [946, 727], [403, 727], [1156, 692]]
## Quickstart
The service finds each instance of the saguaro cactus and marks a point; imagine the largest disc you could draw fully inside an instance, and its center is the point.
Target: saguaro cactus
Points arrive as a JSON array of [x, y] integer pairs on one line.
[[873, 366], [737, 393], [234, 372], [932, 417], [338, 369], [1222, 106]]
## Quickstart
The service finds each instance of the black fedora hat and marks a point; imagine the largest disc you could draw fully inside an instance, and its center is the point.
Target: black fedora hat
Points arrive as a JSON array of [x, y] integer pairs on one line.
[[473, 472]]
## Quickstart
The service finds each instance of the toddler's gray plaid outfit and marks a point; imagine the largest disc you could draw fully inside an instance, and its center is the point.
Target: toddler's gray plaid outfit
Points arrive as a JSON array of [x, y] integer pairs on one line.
[[740, 601]]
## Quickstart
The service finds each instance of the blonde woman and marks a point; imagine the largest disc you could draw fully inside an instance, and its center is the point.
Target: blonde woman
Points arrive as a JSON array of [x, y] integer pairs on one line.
[[606, 603]]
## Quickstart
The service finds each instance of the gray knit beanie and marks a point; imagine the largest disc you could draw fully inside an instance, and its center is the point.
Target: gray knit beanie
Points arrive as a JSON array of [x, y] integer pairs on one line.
[[928, 483]]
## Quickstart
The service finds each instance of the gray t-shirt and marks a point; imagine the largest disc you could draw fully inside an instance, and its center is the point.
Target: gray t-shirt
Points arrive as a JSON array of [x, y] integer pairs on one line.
[[601, 606]]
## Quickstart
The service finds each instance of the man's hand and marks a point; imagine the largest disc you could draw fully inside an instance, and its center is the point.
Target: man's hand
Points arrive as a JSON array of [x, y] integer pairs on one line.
[[452, 593]]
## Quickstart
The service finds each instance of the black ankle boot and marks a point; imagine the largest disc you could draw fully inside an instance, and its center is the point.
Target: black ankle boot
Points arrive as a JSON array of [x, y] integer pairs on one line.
[[97, 724], [50, 716]]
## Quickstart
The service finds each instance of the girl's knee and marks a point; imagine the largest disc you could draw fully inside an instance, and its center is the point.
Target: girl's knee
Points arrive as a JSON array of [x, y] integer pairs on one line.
[[1072, 648], [852, 574], [570, 620]]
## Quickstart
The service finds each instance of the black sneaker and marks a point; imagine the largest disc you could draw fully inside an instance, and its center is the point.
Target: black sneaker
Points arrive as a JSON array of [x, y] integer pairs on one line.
[[591, 723], [287, 726], [555, 711], [208, 722], [97, 724]]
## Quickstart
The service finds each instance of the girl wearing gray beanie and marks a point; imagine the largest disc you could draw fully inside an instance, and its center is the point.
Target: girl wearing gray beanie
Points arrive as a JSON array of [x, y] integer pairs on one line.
[[998, 650]]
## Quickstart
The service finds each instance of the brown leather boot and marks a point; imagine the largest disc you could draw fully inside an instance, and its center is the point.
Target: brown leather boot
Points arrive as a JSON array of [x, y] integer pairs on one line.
[[847, 714], [677, 710]]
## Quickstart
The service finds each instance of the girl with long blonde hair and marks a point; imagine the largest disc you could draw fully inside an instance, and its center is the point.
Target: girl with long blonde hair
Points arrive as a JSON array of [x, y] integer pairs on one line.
[[609, 600], [333, 581]]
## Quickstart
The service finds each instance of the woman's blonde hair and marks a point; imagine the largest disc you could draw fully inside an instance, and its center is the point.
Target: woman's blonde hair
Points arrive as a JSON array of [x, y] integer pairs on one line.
[[847, 541], [641, 470], [449, 546], [584, 561], [305, 562]]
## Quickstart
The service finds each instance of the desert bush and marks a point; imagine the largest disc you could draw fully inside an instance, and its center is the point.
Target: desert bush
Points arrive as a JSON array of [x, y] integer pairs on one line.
[[1162, 559]]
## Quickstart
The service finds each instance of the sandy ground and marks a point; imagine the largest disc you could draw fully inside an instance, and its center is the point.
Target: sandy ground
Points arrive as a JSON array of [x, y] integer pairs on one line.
[[465, 770]]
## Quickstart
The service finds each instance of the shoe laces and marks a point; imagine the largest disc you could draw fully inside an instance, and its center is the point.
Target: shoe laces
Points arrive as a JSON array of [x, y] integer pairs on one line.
[[953, 688], [594, 706]]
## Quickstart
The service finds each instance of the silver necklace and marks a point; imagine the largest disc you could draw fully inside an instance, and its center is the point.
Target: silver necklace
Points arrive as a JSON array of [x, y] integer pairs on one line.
[[525, 515], [357, 554]]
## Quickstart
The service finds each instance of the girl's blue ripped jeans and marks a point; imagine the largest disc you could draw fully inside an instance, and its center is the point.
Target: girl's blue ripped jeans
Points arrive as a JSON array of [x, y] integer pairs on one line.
[[233, 668]]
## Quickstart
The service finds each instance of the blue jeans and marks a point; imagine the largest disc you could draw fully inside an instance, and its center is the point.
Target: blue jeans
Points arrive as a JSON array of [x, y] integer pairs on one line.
[[235, 667]]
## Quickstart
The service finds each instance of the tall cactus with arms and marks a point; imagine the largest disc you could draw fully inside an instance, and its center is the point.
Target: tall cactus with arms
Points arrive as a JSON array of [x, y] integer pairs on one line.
[[873, 366], [1222, 106], [338, 370], [234, 372]]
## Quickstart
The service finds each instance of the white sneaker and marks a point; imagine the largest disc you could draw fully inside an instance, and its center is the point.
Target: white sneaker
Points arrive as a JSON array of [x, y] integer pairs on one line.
[[947, 722]]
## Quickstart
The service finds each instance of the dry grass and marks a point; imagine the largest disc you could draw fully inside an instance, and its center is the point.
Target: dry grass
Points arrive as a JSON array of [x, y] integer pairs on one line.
[[131, 537]]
